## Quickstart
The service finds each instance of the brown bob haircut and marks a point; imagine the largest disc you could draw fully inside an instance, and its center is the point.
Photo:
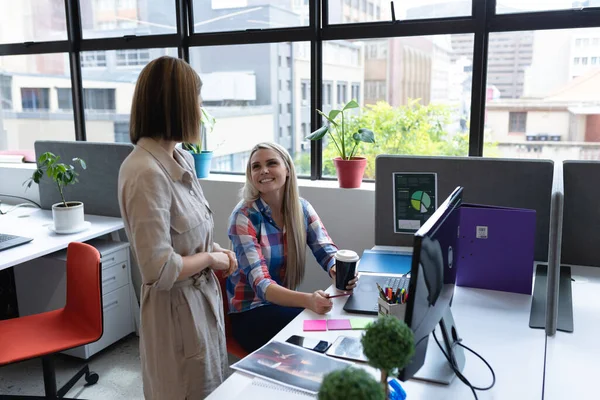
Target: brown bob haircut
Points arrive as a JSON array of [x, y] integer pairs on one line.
[[166, 102]]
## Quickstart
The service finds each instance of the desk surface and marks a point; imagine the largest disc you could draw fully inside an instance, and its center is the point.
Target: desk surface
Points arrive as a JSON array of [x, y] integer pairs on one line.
[[572, 359], [34, 224], [494, 324]]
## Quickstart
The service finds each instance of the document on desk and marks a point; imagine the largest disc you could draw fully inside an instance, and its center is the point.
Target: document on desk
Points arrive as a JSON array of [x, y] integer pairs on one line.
[[262, 389], [385, 262]]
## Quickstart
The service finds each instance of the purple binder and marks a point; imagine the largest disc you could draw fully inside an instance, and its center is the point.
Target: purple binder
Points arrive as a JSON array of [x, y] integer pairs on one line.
[[496, 248]]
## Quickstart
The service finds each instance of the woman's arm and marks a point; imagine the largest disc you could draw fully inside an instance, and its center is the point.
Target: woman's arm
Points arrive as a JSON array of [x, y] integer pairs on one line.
[[318, 239], [145, 205], [317, 301]]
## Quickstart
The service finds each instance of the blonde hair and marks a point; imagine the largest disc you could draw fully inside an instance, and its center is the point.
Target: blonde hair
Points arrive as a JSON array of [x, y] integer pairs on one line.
[[166, 102], [293, 214]]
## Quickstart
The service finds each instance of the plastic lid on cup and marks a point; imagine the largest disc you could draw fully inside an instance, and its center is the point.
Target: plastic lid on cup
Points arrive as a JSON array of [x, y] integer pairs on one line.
[[346, 255]]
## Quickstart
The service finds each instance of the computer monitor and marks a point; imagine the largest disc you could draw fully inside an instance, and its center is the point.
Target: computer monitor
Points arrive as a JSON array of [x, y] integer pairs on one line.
[[431, 288]]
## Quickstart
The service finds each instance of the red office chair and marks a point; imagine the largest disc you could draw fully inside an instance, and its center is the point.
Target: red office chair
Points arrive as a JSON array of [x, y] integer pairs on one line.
[[233, 347], [79, 322]]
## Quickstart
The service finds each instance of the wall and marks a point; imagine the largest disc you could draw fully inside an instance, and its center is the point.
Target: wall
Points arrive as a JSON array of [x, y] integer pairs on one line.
[[497, 121], [552, 122], [592, 129]]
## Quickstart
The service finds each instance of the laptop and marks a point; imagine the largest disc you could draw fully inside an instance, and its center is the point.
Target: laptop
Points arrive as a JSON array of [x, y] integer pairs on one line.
[[364, 298], [8, 241]]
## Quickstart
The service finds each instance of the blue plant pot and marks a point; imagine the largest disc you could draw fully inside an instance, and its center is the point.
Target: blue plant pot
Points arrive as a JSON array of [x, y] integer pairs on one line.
[[202, 161]]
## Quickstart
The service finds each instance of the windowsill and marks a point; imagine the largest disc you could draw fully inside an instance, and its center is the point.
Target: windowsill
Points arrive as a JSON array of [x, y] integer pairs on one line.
[[325, 184], [216, 177]]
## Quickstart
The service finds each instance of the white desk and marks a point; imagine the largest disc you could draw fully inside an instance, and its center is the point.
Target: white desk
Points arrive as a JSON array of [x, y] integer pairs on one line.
[[494, 324], [573, 359], [34, 223]]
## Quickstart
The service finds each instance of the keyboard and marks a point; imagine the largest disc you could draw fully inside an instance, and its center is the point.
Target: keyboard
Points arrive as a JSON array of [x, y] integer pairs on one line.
[[5, 238], [397, 283]]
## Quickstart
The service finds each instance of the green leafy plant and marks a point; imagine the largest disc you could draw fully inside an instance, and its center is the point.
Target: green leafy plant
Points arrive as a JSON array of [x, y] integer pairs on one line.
[[343, 136], [62, 174], [388, 344], [208, 125], [350, 383]]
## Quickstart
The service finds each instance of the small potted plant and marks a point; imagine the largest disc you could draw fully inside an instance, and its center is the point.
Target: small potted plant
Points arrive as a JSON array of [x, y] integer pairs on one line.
[[202, 158], [350, 384], [67, 215], [388, 344], [349, 167]]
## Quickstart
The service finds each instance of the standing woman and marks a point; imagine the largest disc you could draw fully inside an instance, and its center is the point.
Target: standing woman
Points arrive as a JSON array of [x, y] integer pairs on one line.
[[170, 227]]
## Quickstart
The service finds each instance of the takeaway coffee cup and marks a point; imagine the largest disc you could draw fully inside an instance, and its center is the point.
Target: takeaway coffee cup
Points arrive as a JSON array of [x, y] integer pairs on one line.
[[345, 268]]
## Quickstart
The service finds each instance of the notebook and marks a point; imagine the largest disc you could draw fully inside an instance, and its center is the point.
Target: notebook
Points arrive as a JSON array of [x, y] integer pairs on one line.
[[261, 389]]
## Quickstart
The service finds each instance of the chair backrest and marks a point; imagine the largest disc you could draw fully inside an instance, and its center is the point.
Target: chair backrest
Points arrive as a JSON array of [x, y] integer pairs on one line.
[[223, 284], [84, 286]]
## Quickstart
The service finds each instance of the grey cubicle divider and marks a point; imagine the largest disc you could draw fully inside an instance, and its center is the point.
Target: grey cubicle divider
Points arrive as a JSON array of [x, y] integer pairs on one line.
[[500, 182], [581, 225], [98, 184]]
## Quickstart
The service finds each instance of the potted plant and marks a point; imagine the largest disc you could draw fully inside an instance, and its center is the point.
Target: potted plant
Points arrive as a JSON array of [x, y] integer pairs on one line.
[[350, 168], [388, 344], [350, 383], [67, 215], [202, 158]]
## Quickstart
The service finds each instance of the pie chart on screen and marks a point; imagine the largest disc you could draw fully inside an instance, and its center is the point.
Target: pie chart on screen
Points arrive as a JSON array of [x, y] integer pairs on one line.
[[420, 201]]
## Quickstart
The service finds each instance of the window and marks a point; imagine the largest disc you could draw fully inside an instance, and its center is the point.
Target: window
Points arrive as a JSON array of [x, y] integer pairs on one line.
[[129, 58], [239, 90], [32, 21], [122, 132], [110, 18], [356, 91], [6, 92], [65, 99], [93, 59], [34, 99], [548, 101], [327, 93], [234, 15], [517, 121], [408, 9], [99, 99], [342, 94], [521, 6]]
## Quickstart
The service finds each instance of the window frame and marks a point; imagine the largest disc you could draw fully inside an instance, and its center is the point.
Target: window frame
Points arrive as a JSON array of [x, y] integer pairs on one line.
[[482, 21]]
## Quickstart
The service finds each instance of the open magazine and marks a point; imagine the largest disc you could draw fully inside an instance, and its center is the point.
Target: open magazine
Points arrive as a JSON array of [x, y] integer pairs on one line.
[[290, 365]]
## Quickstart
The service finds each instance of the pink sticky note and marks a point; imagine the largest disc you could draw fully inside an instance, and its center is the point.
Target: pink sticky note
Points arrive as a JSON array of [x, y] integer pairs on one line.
[[315, 325], [338, 324]]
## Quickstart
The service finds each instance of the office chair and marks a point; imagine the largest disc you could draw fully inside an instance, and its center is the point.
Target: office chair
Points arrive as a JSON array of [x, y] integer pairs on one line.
[[80, 322], [233, 347]]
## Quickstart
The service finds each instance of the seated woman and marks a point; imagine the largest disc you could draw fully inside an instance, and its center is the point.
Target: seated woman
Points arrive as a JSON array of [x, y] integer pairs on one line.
[[270, 229]]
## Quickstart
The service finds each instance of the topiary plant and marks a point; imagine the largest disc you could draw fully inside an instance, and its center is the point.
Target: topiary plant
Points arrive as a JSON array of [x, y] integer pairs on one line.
[[388, 344], [350, 383]]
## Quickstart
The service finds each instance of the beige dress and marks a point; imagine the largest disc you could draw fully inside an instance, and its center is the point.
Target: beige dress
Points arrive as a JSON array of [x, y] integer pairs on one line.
[[182, 336]]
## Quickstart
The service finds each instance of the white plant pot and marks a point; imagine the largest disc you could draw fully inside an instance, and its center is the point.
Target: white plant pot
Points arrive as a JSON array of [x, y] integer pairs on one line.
[[67, 218]]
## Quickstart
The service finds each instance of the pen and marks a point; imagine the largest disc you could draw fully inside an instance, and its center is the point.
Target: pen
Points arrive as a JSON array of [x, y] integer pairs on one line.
[[402, 296], [381, 294], [338, 295]]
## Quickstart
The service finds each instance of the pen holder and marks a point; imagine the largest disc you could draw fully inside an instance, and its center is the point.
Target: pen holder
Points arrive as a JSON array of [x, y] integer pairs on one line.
[[395, 309]]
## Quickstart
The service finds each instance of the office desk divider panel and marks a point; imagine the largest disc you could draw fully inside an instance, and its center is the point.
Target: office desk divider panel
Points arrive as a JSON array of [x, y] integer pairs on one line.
[[500, 182], [98, 184], [495, 248]]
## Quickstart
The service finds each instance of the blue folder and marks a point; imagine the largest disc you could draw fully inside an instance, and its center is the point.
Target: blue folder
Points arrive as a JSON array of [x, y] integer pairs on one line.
[[384, 262]]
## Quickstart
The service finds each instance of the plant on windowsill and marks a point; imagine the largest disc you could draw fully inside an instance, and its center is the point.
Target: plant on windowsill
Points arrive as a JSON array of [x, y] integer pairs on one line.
[[389, 345], [68, 216], [350, 168], [202, 158]]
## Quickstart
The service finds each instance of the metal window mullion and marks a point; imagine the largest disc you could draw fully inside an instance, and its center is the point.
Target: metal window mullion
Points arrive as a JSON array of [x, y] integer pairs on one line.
[[316, 83], [74, 37], [481, 11], [183, 29]]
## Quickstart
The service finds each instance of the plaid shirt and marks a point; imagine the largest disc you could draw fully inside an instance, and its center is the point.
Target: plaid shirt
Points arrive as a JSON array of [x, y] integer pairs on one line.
[[260, 246]]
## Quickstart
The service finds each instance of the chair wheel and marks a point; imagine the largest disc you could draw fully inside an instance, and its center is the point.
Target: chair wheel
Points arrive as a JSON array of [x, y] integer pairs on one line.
[[91, 378]]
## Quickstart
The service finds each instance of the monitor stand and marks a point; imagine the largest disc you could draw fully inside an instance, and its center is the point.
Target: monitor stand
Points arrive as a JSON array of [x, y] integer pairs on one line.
[[436, 368]]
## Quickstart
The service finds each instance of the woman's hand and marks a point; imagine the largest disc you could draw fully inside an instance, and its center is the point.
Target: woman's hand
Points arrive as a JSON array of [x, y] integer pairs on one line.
[[319, 302], [232, 258], [223, 261], [351, 283]]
